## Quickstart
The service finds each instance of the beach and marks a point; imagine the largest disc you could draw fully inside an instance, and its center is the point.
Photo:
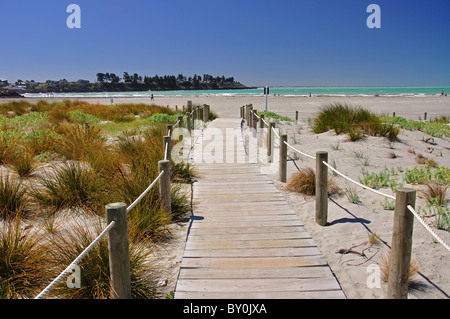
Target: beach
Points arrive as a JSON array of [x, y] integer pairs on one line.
[[349, 224], [410, 107]]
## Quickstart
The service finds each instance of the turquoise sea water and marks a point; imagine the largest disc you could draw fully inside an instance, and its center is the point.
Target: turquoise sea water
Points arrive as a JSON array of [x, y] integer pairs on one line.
[[283, 91]]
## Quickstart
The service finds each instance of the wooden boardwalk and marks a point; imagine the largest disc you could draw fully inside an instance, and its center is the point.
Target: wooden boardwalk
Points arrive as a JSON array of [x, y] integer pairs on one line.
[[244, 240]]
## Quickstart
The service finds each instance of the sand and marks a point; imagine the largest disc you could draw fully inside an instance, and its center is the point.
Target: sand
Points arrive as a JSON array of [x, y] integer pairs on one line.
[[349, 225]]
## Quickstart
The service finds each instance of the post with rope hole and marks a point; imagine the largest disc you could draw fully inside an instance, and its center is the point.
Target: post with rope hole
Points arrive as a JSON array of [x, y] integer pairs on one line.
[[167, 147], [119, 256], [270, 142], [400, 259], [164, 185], [283, 159], [321, 188]]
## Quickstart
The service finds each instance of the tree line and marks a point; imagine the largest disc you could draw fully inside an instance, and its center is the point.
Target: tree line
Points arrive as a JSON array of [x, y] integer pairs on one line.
[[169, 82]]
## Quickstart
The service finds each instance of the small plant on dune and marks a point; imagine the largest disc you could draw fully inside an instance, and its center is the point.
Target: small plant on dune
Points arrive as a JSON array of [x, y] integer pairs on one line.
[[23, 267], [94, 267], [12, 196], [304, 182], [352, 194]]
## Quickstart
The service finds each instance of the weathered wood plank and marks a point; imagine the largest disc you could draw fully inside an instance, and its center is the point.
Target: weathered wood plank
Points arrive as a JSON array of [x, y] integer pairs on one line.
[[266, 285], [255, 262], [334, 294], [253, 252], [261, 243], [245, 230], [244, 273]]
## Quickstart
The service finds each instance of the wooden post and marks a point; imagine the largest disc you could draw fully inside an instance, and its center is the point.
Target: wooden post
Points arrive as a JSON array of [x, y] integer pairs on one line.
[[261, 131], [167, 143], [270, 142], [400, 259], [250, 116], [283, 159], [296, 117], [189, 105], [254, 122], [393, 114], [119, 256], [180, 121], [164, 185], [194, 118], [188, 122], [169, 129], [425, 116], [321, 188], [242, 112], [205, 113]]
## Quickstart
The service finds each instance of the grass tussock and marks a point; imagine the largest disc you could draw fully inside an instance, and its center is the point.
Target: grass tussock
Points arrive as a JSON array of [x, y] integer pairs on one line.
[[23, 260], [354, 121], [304, 182]]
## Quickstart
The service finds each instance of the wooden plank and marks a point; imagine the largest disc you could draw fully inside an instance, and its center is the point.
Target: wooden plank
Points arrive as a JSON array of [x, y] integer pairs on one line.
[[244, 273], [253, 252], [334, 294], [261, 243], [250, 285], [256, 262], [245, 230], [262, 223], [218, 237]]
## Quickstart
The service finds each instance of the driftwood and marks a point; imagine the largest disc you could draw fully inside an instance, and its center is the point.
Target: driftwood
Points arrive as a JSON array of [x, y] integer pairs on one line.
[[350, 250]]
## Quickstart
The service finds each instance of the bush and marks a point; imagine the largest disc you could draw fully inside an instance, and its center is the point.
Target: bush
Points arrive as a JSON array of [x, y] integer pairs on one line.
[[304, 182]]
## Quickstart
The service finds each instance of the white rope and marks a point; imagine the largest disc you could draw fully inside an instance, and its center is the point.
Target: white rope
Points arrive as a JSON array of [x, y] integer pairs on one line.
[[267, 124], [411, 209], [176, 124], [166, 151], [145, 192], [275, 132], [351, 180], [296, 150], [75, 262]]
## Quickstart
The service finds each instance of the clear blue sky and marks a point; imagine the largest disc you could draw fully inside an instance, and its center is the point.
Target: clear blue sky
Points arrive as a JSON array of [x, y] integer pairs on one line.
[[258, 42]]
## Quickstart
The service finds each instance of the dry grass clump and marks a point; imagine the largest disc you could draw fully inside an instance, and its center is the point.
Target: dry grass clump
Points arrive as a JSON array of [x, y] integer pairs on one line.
[[422, 160], [413, 269], [23, 260], [304, 182], [435, 193]]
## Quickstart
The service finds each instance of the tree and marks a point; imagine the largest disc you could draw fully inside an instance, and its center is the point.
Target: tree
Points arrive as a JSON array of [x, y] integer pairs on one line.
[[127, 77]]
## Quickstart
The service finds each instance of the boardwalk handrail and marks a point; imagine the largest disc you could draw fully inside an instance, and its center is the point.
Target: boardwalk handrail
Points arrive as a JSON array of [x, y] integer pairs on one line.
[[75, 262]]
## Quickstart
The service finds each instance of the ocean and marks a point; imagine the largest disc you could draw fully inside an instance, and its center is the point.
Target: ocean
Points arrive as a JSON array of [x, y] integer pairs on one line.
[[283, 91]]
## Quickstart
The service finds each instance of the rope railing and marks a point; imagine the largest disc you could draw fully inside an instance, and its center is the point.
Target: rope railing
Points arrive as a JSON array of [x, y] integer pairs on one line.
[[69, 268], [145, 192]]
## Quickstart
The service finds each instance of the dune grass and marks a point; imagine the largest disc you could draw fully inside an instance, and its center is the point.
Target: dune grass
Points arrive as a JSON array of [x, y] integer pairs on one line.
[[304, 182], [354, 121], [95, 154]]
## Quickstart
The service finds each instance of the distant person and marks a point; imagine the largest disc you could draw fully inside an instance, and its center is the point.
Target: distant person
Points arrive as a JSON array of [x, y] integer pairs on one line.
[[152, 97], [442, 93], [309, 94]]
